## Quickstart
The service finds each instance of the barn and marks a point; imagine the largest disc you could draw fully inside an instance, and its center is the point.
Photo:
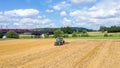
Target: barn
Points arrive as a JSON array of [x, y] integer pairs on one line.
[[36, 33]]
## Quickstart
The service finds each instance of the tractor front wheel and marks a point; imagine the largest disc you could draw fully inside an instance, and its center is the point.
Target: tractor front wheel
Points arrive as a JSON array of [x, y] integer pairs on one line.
[[56, 44]]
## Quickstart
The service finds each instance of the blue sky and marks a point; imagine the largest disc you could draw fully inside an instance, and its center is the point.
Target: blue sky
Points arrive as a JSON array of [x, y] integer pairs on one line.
[[59, 13]]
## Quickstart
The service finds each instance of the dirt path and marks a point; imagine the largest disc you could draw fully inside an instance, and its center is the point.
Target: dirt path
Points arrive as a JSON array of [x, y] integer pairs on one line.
[[77, 54]]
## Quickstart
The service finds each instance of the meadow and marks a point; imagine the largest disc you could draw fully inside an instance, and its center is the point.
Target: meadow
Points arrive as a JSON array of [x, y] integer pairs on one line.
[[92, 35]]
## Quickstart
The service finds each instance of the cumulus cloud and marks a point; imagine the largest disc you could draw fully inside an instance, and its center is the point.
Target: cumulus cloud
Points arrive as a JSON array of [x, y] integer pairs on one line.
[[63, 13], [66, 22], [45, 21], [98, 15], [5, 19], [93, 8], [1, 13], [61, 6], [27, 18], [49, 11], [18, 24], [90, 17], [32, 23], [81, 1], [22, 12]]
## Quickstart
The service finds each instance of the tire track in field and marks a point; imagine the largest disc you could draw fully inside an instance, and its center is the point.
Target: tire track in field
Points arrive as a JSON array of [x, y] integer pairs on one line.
[[113, 59], [68, 60], [62, 57], [95, 57], [76, 54], [46, 57], [20, 45], [25, 57], [51, 55]]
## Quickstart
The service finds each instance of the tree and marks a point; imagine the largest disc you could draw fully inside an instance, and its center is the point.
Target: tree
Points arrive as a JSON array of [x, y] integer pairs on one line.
[[110, 29], [1, 34], [66, 36], [106, 35], [67, 30], [114, 29], [74, 34], [12, 34], [84, 34], [103, 28], [46, 35], [58, 33]]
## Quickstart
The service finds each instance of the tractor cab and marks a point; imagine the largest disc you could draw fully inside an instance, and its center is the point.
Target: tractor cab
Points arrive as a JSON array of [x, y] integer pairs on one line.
[[59, 41]]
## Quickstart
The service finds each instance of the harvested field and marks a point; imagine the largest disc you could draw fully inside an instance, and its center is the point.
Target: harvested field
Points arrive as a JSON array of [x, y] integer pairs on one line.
[[77, 53]]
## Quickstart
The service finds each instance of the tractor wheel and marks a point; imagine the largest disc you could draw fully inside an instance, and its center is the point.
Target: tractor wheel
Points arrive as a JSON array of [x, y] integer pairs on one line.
[[56, 44], [63, 42]]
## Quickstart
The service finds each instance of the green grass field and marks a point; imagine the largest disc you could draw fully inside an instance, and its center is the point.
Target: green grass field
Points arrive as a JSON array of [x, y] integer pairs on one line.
[[92, 35], [100, 35], [26, 36]]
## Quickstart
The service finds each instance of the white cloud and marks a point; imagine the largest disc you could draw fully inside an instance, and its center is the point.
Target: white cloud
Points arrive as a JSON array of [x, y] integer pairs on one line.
[[1, 13], [97, 15], [49, 11], [100, 10], [75, 13], [33, 23], [86, 16], [81, 1], [16, 24], [57, 7], [5, 19], [29, 19], [22, 12], [63, 13], [39, 17], [66, 22], [61, 6], [46, 21], [93, 8]]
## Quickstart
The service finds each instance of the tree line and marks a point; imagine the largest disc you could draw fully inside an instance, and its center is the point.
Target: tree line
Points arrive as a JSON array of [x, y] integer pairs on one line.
[[111, 29], [57, 32], [66, 31]]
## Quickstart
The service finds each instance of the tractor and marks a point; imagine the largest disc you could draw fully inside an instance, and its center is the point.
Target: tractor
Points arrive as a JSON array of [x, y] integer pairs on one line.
[[59, 41]]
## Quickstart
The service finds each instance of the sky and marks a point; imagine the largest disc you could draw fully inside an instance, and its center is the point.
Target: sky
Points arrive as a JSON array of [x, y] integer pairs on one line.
[[29, 14]]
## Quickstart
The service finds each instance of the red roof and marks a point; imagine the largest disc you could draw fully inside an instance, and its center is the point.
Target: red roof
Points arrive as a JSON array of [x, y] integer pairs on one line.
[[18, 30]]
